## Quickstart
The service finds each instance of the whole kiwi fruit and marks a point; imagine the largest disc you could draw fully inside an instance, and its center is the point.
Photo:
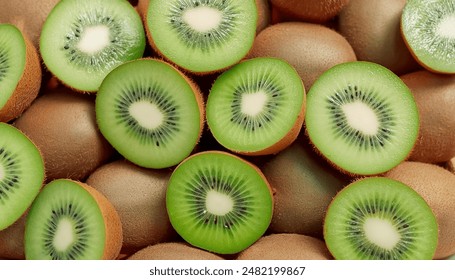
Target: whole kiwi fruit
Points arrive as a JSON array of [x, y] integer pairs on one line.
[[435, 100], [173, 251], [437, 186], [310, 11], [310, 48]]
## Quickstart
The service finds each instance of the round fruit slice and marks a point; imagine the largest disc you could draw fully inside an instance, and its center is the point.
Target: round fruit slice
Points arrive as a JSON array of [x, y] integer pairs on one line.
[[150, 113], [202, 36], [83, 40], [378, 218], [219, 202], [257, 107], [362, 118], [428, 28], [20, 72], [21, 174], [70, 220]]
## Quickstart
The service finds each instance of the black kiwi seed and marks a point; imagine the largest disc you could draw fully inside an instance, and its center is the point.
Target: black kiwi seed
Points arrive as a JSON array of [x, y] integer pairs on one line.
[[3, 64], [9, 183], [353, 136]]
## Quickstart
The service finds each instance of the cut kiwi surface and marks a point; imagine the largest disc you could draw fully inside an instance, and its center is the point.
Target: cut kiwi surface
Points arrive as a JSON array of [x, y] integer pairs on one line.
[[150, 112], [362, 118], [21, 174], [69, 220], [257, 107], [428, 28], [20, 72], [202, 36], [381, 219], [82, 41], [219, 202]]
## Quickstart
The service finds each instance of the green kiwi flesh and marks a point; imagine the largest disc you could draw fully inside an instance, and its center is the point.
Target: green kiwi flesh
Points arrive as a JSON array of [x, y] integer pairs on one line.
[[202, 36], [255, 105], [218, 202], [362, 118], [66, 222], [21, 174], [377, 218], [82, 41], [428, 29], [150, 113]]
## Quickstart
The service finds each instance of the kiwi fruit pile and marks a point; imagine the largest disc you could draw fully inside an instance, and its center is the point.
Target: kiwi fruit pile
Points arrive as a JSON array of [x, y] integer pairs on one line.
[[227, 130]]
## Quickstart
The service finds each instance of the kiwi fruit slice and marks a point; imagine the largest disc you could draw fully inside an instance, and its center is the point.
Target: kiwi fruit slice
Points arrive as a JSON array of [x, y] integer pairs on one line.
[[173, 251], [436, 186], [62, 125], [21, 174], [434, 97], [150, 112], [70, 220], [286, 246], [202, 36], [83, 40], [257, 107], [139, 196], [377, 218], [428, 30], [20, 72], [310, 48], [362, 118], [219, 202]]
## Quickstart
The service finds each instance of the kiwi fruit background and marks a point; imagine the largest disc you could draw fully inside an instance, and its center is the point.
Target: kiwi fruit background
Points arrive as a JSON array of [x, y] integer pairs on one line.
[[173, 251]]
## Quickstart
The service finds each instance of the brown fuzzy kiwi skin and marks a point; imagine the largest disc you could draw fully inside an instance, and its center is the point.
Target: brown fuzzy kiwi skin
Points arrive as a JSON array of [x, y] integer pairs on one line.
[[286, 246], [173, 251], [310, 10], [28, 86], [437, 187], [435, 100], [12, 240], [373, 30], [138, 194], [28, 15], [62, 125], [310, 48], [450, 165], [304, 185], [114, 236]]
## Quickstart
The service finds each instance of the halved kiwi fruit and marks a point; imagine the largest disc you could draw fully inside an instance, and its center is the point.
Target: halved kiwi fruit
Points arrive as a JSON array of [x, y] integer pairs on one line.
[[219, 202], [20, 72], [428, 30], [83, 40], [21, 174], [257, 107], [377, 218], [202, 36], [150, 112], [70, 220], [362, 118]]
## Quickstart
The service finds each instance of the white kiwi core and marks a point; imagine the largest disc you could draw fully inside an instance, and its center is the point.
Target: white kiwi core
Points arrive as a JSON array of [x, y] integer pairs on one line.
[[218, 203], [253, 103], [361, 117], [94, 39], [446, 27], [381, 232], [64, 236], [147, 114], [203, 19]]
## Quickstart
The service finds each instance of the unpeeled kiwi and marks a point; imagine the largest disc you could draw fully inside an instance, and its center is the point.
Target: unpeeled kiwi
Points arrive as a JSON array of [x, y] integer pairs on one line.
[[310, 11], [70, 220], [310, 48], [286, 246], [62, 124], [12, 240], [138, 194], [173, 251], [434, 95], [20, 72], [373, 30], [303, 186], [436, 186]]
